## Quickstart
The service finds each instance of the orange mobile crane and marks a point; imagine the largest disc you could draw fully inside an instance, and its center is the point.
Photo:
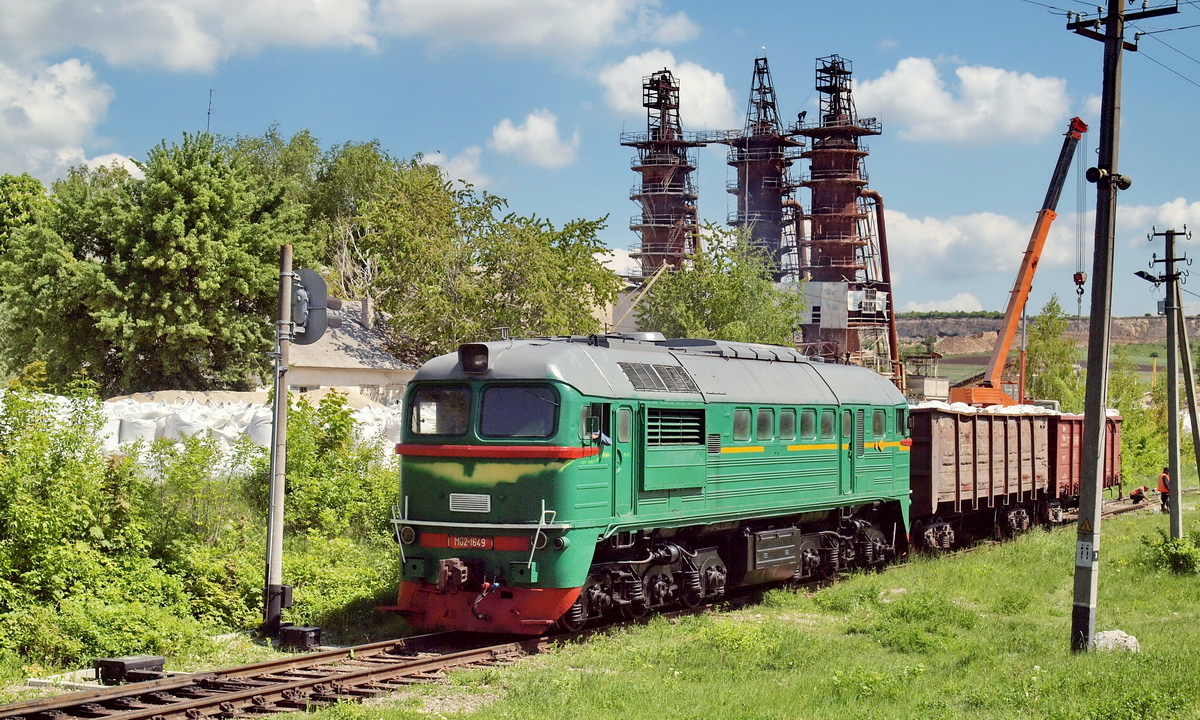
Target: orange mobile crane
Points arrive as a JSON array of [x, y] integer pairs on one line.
[[989, 391]]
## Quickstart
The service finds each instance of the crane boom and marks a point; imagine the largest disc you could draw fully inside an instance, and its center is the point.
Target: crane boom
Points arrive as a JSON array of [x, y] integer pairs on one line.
[[990, 392]]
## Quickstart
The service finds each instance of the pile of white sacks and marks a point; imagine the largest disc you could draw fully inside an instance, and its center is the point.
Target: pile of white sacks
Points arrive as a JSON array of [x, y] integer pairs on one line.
[[134, 418], [965, 409]]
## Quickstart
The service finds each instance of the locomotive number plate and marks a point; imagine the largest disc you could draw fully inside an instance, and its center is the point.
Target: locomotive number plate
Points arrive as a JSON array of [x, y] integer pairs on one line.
[[466, 542]]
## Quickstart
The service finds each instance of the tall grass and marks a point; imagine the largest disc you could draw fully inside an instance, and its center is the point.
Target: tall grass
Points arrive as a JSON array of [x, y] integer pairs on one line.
[[979, 635]]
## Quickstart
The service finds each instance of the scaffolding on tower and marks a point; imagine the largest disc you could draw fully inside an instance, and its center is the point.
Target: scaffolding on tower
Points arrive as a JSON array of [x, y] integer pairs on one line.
[[665, 159], [761, 155], [843, 259]]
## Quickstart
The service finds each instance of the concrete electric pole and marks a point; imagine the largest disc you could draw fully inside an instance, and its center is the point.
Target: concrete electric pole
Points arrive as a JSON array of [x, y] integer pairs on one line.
[[1108, 181]]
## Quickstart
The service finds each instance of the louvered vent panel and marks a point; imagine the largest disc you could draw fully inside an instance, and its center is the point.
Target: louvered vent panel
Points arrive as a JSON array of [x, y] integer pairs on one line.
[[659, 378], [643, 377], [470, 502], [665, 426], [859, 432], [676, 378], [714, 443]]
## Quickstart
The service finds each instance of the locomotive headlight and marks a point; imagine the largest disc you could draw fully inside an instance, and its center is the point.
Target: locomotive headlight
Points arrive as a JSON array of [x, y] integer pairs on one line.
[[561, 543], [473, 357], [538, 540], [407, 535]]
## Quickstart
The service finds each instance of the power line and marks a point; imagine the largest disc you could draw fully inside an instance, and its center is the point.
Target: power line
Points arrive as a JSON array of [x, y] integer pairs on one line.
[[1049, 7], [1168, 69], [1168, 45]]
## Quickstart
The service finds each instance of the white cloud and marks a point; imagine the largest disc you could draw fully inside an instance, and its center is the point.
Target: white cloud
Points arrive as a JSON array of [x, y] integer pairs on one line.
[[535, 141], [704, 100], [569, 27], [969, 252], [47, 114], [961, 302], [986, 105], [463, 168], [619, 261], [116, 160], [1135, 221], [178, 34]]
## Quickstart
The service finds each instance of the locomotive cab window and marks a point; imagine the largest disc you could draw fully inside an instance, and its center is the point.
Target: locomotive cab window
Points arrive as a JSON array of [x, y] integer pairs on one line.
[[440, 411], [902, 423], [593, 418], [741, 424], [519, 411], [847, 423], [787, 424], [808, 424], [879, 423]]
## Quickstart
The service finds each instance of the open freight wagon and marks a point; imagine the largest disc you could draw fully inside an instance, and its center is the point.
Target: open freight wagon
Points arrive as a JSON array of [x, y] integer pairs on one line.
[[979, 472]]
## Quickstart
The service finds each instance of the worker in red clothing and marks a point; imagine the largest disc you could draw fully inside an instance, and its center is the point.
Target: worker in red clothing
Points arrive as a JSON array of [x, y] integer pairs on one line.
[[1138, 494], [1164, 489]]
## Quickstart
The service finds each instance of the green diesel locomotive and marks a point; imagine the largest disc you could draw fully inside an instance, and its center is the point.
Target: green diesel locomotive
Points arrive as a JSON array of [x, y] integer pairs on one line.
[[556, 480]]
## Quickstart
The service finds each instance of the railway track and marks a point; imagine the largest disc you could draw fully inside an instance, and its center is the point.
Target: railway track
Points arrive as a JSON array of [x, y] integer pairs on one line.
[[299, 682], [313, 680]]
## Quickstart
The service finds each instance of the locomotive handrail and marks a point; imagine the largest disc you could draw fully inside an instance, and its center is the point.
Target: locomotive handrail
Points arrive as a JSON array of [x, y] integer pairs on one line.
[[538, 533]]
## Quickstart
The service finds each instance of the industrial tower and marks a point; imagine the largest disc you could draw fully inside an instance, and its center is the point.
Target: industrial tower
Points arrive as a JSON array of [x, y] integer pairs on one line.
[[761, 154], [846, 274], [665, 159]]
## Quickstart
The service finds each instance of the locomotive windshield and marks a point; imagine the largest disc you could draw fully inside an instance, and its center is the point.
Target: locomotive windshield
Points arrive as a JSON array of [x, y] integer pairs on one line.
[[519, 411], [440, 411]]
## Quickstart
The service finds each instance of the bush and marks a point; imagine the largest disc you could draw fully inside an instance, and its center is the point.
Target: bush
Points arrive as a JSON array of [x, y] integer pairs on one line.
[[1179, 555], [82, 629]]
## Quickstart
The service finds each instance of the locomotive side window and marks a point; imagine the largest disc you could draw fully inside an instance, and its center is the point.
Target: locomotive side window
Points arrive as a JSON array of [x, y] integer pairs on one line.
[[624, 424], [787, 424], [879, 423], [808, 423], [519, 411], [766, 424], [902, 423], [741, 424], [827, 424], [847, 423], [440, 411]]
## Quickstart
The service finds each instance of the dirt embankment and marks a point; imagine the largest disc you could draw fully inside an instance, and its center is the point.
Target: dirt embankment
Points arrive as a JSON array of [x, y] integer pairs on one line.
[[970, 335]]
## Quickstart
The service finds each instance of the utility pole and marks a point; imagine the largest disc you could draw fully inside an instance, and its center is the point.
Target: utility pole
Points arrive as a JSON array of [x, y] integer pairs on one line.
[[1189, 380], [1176, 344], [1108, 181], [1189, 374], [1172, 307]]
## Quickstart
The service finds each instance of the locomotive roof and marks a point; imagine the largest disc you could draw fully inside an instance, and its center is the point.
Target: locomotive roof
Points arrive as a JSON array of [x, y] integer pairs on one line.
[[681, 369]]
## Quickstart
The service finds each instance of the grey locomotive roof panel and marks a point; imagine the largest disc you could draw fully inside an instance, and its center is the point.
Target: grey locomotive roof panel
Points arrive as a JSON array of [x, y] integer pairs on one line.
[[713, 371]]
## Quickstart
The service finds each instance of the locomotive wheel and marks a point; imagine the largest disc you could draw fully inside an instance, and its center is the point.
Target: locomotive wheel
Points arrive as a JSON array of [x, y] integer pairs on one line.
[[575, 617], [635, 610]]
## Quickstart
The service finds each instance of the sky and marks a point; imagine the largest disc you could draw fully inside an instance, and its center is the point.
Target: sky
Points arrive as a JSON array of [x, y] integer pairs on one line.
[[527, 99]]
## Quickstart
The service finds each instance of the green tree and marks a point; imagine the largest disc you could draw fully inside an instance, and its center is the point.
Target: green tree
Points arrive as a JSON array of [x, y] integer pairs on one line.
[[21, 198], [1143, 424], [446, 267], [1050, 359], [723, 292], [156, 283]]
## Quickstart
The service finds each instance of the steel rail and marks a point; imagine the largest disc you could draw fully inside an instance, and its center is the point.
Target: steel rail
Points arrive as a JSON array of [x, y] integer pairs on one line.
[[274, 685]]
